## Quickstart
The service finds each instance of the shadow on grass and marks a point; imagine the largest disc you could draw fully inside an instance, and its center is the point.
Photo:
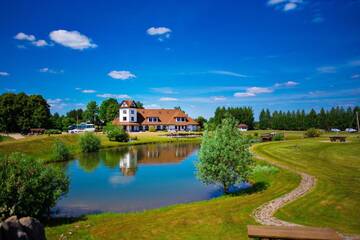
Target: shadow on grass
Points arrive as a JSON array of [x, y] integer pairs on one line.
[[53, 222], [256, 187]]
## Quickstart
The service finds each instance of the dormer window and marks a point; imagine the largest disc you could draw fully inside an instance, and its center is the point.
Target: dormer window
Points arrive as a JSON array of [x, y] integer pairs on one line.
[[153, 119], [180, 119]]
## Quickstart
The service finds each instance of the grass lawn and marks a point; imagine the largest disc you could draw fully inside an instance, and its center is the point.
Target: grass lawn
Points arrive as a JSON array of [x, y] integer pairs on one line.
[[220, 218], [335, 200], [40, 146]]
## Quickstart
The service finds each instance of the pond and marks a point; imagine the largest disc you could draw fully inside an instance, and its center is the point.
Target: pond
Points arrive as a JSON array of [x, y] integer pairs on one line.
[[133, 178]]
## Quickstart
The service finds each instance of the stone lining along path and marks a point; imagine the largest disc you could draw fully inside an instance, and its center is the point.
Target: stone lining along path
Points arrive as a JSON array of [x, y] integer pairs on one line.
[[265, 213]]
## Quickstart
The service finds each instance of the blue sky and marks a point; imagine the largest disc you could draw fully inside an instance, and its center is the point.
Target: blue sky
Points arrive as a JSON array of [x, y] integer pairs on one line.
[[277, 54]]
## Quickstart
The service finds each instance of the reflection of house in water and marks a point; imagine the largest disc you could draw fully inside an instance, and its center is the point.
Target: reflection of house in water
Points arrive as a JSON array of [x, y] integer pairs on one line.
[[154, 154], [128, 163]]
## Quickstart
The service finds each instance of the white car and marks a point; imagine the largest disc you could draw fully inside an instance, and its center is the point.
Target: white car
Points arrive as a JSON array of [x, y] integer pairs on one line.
[[335, 130], [83, 127], [350, 130]]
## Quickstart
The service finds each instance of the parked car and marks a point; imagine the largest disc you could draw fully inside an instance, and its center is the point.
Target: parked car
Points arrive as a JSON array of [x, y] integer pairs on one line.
[[350, 130], [82, 127], [335, 130]]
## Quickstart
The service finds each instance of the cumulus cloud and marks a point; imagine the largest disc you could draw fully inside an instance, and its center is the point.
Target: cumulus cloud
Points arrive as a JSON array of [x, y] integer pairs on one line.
[[72, 39], [40, 43], [4, 74], [109, 95], [48, 70], [327, 69], [88, 91], [228, 73], [122, 75], [253, 91], [168, 99], [23, 36], [285, 5], [158, 31], [287, 84]]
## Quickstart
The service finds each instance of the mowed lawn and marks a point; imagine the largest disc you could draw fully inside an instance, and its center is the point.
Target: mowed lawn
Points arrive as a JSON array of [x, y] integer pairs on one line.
[[220, 218], [335, 201]]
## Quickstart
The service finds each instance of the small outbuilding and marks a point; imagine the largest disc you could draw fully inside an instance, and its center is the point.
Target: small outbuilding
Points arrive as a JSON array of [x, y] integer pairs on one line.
[[243, 127]]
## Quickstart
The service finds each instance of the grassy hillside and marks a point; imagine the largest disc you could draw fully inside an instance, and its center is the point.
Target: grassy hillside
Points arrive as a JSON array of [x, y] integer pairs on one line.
[[336, 197]]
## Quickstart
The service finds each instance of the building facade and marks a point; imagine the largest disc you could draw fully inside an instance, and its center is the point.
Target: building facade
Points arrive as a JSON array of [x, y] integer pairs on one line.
[[135, 119]]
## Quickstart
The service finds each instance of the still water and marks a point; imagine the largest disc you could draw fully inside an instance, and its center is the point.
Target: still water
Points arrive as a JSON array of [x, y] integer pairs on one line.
[[133, 178]]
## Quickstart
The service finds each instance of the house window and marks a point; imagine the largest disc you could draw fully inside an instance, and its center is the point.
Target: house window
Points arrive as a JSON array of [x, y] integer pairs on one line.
[[153, 119], [132, 111], [180, 119], [132, 119], [124, 111], [124, 118]]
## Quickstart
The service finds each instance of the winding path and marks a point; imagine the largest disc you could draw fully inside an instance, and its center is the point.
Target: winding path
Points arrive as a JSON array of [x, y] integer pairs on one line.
[[265, 213]]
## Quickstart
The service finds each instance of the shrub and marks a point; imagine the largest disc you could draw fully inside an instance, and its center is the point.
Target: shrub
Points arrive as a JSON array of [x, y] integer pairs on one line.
[[89, 142], [29, 188], [312, 132], [278, 137], [60, 151], [52, 131], [152, 129], [115, 133]]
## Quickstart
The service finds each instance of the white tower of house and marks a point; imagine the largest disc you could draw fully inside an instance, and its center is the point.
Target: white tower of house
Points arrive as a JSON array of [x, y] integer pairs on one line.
[[128, 115]]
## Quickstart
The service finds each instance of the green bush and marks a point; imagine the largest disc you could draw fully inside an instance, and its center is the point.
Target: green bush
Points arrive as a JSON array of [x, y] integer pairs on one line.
[[115, 133], [312, 132], [52, 131], [29, 188], [278, 137], [89, 142], [152, 129], [60, 151]]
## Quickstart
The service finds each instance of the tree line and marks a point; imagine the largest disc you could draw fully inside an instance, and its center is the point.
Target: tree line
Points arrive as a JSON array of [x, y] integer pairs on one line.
[[240, 114], [336, 117]]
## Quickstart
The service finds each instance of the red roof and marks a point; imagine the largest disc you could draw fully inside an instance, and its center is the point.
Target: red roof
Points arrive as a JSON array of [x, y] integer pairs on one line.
[[128, 104]]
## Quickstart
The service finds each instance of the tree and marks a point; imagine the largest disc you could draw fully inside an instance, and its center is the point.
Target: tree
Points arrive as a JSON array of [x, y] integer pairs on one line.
[[202, 121], [109, 109], [91, 113], [76, 115], [29, 188], [89, 142], [178, 108], [115, 133], [224, 156], [139, 104]]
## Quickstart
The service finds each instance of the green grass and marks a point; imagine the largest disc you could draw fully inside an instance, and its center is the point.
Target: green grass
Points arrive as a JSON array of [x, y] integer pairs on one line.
[[221, 218], [4, 138], [40, 146], [335, 201]]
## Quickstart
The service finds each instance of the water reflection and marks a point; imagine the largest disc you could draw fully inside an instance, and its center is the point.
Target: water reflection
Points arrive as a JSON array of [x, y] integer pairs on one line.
[[133, 178]]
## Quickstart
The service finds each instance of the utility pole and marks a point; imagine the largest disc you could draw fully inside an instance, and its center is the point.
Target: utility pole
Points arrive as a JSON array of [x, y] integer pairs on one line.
[[357, 120]]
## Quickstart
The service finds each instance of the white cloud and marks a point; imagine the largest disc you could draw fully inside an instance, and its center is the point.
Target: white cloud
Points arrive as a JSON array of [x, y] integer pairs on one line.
[[327, 69], [257, 90], [253, 91], [23, 36], [48, 70], [54, 101], [122, 75], [219, 98], [109, 95], [355, 76], [88, 91], [152, 106], [40, 43], [244, 94], [158, 31], [274, 2], [228, 73], [72, 39], [168, 99], [290, 6], [164, 90], [4, 74], [286, 84]]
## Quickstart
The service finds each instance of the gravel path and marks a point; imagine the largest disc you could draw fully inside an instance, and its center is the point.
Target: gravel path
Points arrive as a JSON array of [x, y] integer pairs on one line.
[[265, 213]]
